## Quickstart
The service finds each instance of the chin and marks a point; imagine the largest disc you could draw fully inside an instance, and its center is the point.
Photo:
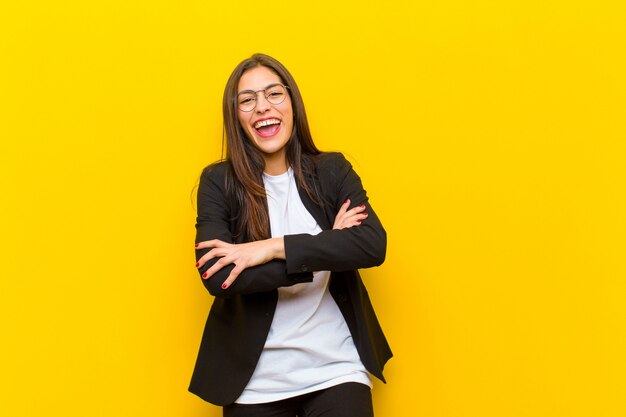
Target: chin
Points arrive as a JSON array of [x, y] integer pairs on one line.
[[270, 146], [270, 150]]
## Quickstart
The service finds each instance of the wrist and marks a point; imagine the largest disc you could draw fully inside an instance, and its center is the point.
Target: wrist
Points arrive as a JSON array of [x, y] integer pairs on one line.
[[278, 247]]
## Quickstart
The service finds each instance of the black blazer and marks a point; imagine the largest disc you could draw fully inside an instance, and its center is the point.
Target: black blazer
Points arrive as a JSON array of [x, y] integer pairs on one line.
[[241, 316]]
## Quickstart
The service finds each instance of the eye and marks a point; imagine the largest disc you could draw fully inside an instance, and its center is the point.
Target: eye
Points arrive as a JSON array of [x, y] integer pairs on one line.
[[246, 99], [275, 94]]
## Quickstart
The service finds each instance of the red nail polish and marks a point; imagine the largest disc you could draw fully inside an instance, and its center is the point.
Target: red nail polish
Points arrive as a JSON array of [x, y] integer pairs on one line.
[[362, 206], [347, 200], [197, 264], [204, 275], [196, 245], [358, 221], [224, 286]]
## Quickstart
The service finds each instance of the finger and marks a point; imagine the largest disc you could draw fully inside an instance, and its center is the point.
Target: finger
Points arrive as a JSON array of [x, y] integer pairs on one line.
[[232, 277], [355, 220], [360, 217], [357, 209], [354, 212], [205, 244], [356, 217], [204, 259], [214, 243], [339, 218], [343, 209], [213, 253], [221, 263], [353, 223]]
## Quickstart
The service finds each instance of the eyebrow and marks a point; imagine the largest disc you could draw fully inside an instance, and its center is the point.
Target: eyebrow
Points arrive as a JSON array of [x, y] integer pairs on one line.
[[262, 89]]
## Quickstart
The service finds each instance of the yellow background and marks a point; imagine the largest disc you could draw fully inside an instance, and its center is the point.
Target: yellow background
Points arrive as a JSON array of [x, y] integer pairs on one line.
[[489, 135]]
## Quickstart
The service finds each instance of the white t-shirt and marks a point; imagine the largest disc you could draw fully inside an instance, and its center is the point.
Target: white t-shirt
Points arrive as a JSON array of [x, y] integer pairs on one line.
[[309, 346]]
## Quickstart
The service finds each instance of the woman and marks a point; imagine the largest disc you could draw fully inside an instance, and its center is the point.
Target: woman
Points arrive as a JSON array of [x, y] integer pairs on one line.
[[280, 339]]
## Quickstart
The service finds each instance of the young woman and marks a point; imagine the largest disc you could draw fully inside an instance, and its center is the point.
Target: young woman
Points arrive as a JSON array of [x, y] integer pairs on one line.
[[281, 230]]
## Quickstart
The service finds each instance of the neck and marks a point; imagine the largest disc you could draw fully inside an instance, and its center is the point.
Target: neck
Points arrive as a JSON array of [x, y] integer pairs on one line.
[[276, 164]]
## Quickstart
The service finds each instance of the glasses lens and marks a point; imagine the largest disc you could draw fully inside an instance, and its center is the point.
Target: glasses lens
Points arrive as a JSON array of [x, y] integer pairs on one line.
[[276, 94], [246, 101]]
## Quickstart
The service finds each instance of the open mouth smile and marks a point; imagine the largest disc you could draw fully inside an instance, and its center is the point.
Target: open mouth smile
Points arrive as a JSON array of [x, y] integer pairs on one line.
[[268, 127]]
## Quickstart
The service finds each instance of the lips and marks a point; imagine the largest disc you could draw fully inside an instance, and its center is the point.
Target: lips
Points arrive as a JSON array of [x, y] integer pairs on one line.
[[267, 127]]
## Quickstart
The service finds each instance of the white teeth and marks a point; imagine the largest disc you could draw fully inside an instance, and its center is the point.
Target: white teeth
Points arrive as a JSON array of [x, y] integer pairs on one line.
[[266, 123]]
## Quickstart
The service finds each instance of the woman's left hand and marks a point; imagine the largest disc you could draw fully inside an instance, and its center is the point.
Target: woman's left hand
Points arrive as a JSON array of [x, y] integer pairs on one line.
[[348, 218], [242, 255]]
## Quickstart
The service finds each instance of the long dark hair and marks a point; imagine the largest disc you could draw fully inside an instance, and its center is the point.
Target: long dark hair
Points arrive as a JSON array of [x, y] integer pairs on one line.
[[245, 178]]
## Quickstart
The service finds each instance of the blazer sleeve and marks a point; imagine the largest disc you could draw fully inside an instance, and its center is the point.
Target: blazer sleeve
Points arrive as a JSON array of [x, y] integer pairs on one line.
[[214, 222], [361, 246]]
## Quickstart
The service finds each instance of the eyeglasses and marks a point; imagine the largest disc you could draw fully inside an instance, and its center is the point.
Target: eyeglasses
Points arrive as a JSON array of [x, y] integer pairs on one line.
[[274, 94]]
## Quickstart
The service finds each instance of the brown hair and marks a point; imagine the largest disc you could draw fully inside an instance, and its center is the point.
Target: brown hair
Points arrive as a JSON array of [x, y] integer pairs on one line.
[[245, 178]]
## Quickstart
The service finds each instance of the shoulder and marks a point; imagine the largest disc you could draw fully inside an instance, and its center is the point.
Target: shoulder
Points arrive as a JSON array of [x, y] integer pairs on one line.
[[218, 168], [216, 172], [330, 163], [329, 158], [332, 172], [215, 178]]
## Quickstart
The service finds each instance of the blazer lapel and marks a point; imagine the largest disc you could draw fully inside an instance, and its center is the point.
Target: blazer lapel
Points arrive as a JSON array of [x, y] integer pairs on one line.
[[318, 213]]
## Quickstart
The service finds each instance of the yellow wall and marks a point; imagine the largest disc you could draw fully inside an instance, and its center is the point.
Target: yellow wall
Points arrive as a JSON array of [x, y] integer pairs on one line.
[[490, 136]]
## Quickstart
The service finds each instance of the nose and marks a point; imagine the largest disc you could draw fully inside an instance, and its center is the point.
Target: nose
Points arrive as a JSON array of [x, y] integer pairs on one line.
[[262, 105]]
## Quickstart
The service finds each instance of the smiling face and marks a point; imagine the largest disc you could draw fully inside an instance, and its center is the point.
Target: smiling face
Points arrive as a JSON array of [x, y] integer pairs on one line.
[[268, 126]]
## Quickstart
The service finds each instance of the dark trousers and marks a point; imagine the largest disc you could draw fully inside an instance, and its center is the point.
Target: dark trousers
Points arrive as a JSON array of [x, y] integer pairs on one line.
[[345, 400]]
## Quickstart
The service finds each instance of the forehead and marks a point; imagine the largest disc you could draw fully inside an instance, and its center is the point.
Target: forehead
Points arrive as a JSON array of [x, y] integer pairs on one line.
[[257, 78]]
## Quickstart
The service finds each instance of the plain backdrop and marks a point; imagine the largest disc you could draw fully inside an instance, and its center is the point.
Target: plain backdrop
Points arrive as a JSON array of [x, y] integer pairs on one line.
[[489, 136]]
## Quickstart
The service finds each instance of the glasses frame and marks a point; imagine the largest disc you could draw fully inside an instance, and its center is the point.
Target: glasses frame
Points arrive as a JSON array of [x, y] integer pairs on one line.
[[256, 101]]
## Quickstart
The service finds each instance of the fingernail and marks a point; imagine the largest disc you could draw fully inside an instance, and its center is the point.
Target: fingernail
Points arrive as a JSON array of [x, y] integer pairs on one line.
[[347, 201], [358, 221], [204, 275], [197, 264], [196, 245], [365, 214], [363, 206], [224, 286]]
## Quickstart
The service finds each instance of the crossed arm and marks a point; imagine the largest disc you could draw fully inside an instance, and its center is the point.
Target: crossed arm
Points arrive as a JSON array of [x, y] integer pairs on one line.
[[246, 255], [228, 268]]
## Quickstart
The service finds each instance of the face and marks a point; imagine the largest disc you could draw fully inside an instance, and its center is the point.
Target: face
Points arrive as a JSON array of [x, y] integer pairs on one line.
[[268, 126]]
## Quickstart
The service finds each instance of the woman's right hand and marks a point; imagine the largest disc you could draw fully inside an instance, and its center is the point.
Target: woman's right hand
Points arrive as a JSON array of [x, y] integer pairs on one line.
[[347, 218]]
